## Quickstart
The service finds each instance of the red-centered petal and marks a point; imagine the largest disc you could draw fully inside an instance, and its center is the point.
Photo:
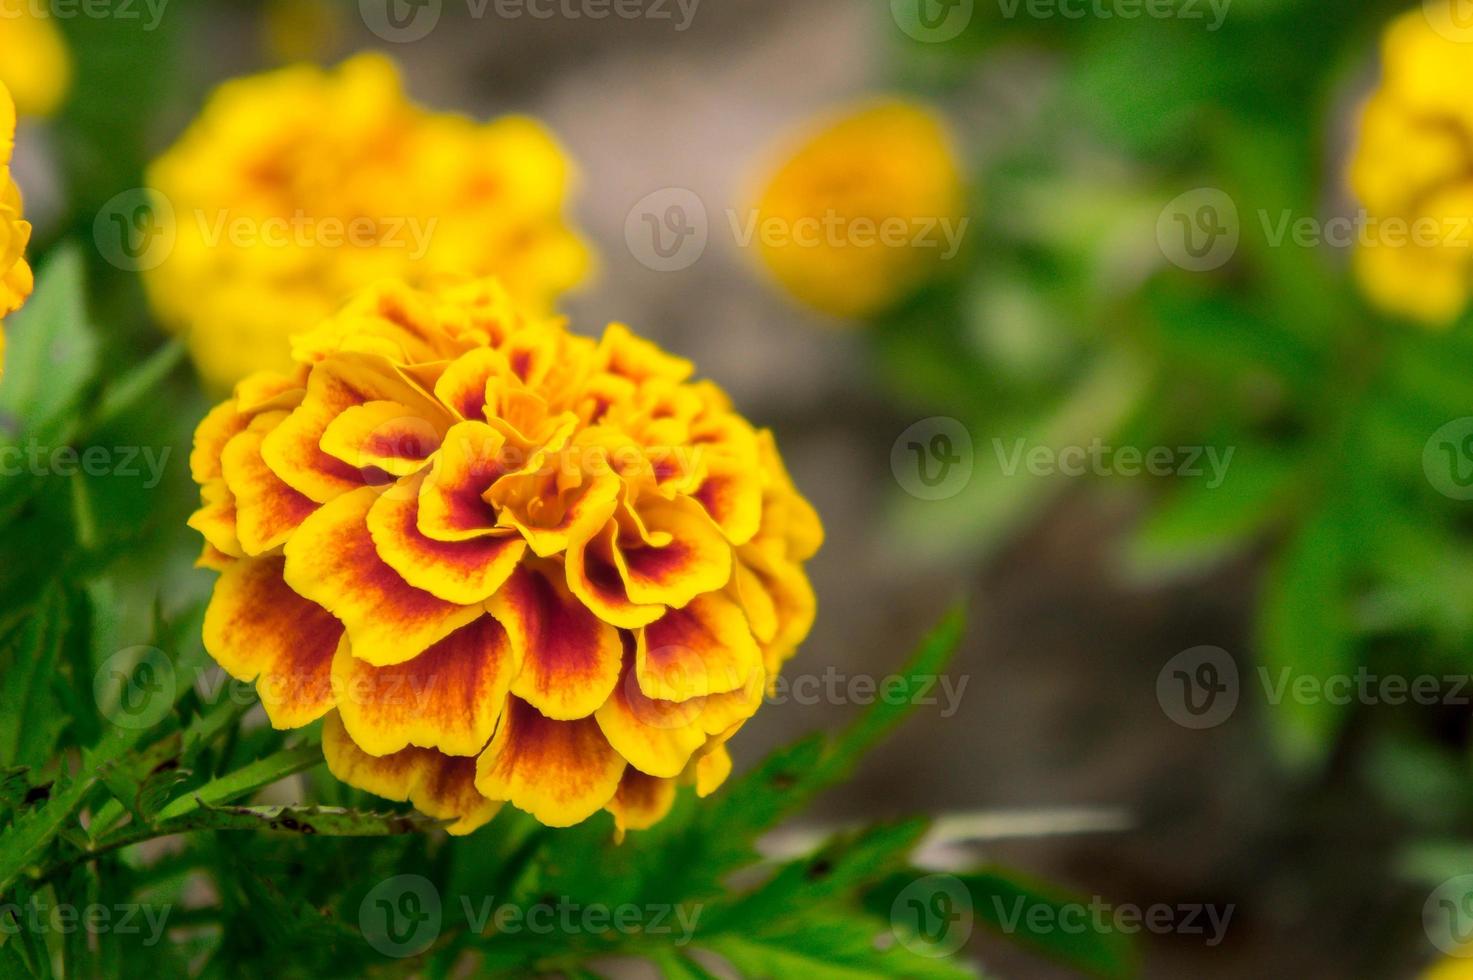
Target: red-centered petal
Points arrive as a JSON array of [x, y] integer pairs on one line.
[[794, 604], [695, 559], [464, 572], [705, 648], [451, 507], [259, 630], [561, 772], [656, 737], [331, 560], [441, 786], [267, 511], [382, 436], [641, 802], [463, 385], [448, 698], [570, 658], [733, 498], [294, 449], [215, 518], [593, 576]]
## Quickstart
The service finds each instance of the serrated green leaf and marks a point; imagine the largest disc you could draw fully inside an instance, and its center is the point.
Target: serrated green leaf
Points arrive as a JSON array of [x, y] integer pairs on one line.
[[30, 720], [50, 356]]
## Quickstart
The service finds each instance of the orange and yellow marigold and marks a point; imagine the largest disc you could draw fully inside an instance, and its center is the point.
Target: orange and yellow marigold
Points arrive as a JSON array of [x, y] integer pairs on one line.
[[296, 188], [15, 231], [34, 62], [505, 562]]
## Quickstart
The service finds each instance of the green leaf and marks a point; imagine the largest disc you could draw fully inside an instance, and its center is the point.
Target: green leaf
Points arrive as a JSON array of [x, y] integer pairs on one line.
[[50, 356], [247, 780], [30, 720], [828, 944], [1304, 630]]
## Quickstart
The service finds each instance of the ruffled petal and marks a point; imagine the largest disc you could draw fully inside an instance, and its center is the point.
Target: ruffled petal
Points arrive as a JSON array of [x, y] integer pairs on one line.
[[448, 698], [569, 657], [267, 511], [464, 572], [641, 802], [561, 772], [656, 737], [705, 648], [331, 559], [381, 436], [440, 786], [594, 577], [259, 630], [451, 504], [694, 559]]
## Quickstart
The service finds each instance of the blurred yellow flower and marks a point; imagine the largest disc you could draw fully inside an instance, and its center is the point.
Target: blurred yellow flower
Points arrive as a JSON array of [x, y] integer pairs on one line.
[[864, 211], [15, 232], [503, 561], [1453, 968], [34, 63], [296, 188], [1409, 172]]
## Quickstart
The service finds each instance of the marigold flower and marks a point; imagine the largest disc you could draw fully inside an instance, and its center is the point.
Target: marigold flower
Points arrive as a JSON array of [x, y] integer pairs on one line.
[[1409, 170], [864, 210], [296, 188], [15, 232], [34, 62], [505, 562]]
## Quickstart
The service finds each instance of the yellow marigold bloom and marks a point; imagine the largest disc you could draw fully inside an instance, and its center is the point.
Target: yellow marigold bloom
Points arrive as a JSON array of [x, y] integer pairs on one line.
[[1409, 172], [34, 63], [1451, 968], [864, 211], [15, 232], [299, 187], [505, 562]]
